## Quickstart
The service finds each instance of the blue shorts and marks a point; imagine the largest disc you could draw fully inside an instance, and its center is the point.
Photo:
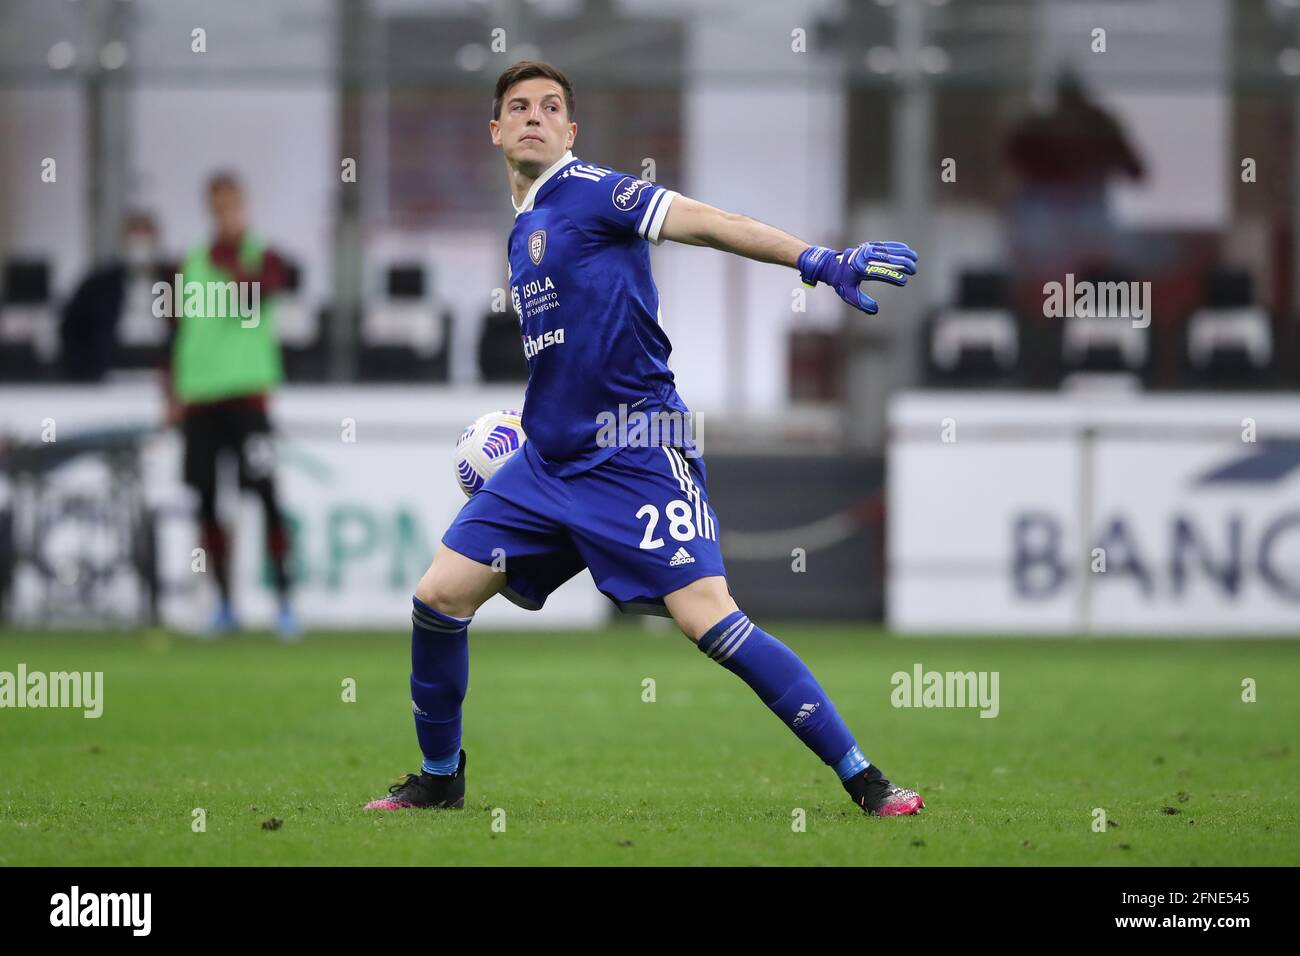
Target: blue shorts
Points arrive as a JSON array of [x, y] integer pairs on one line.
[[640, 521]]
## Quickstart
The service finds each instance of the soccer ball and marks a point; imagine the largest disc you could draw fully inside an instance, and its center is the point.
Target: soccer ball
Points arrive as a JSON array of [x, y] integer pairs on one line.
[[484, 446]]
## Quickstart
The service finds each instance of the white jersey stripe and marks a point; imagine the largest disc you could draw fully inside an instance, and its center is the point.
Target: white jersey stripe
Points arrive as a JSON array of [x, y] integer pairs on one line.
[[661, 213], [655, 198]]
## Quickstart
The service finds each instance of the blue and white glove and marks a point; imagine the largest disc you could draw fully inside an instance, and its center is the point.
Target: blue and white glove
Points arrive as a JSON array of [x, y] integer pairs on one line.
[[890, 262]]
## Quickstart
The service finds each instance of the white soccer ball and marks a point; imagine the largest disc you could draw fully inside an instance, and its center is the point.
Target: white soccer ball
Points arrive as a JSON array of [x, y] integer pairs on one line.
[[484, 447]]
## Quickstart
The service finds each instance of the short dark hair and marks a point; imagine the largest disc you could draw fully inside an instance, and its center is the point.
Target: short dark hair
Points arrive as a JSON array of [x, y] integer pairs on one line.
[[527, 70], [138, 219], [223, 179]]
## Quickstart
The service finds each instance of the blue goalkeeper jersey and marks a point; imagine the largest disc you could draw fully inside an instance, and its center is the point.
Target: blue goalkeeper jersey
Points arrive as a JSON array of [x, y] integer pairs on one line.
[[588, 309]]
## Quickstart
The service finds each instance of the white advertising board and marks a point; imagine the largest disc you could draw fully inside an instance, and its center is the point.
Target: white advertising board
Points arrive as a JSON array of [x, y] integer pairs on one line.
[[366, 514], [1133, 515]]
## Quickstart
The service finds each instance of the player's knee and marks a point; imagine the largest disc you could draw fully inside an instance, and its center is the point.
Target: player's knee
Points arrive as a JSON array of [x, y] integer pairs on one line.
[[697, 626], [441, 594], [698, 607], [691, 631]]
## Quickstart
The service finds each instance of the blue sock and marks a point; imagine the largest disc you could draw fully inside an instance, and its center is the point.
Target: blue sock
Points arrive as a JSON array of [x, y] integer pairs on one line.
[[787, 687], [443, 768], [439, 677]]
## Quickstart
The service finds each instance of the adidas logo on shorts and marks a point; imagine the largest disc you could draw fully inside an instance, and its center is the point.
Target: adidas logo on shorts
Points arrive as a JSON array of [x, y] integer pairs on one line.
[[681, 557]]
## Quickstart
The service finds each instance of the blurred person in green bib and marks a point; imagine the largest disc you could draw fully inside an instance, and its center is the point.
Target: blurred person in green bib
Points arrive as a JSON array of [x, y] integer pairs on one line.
[[225, 361]]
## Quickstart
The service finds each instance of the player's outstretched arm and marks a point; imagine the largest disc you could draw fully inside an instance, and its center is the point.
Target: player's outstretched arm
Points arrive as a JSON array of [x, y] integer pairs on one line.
[[699, 224]]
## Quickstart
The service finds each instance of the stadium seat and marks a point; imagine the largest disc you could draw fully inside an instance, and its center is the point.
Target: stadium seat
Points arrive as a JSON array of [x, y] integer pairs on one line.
[[29, 334], [403, 338], [976, 338], [1104, 343], [1230, 337]]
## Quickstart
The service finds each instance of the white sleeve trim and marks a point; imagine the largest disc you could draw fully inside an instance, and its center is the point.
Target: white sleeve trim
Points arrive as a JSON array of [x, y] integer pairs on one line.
[[655, 215]]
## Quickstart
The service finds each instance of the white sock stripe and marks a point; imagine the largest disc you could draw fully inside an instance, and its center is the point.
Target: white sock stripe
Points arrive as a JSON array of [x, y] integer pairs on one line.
[[735, 626], [433, 624], [425, 615], [729, 636], [736, 646], [725, 651]]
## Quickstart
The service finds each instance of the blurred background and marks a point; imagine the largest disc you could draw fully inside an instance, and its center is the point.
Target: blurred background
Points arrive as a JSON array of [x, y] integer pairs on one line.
[[963, 461]]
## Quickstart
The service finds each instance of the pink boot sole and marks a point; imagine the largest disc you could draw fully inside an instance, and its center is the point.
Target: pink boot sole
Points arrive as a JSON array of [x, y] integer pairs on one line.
[[903, 808], [387, 804]]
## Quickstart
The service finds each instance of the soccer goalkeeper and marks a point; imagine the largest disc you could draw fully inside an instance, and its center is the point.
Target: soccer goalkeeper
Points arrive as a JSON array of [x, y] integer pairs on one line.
[[636, 514]]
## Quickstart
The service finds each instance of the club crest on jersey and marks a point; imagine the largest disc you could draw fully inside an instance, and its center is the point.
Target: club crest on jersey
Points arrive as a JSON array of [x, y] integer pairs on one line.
[[627, 194], [537, 246]]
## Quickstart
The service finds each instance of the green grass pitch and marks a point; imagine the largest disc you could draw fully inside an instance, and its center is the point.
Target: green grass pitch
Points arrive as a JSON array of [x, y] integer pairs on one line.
[[564, 751]]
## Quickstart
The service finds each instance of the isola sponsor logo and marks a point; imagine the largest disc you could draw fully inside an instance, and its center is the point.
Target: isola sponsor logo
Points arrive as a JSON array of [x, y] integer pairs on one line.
[[537, 286], [627, 194], [533, 345]]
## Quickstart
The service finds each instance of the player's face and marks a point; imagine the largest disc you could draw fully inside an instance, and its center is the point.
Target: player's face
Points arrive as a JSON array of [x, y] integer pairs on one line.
[[534, 128], [227, 205]]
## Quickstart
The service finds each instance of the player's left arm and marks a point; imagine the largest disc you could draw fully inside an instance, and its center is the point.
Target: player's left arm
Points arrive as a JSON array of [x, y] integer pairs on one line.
[[699, 224]]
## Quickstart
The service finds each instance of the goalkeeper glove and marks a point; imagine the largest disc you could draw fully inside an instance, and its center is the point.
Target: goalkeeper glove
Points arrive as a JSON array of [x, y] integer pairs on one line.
[[890, 262]]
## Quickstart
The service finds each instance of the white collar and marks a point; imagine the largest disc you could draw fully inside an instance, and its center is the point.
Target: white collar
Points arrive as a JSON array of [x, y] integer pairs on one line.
[[541, 181]]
